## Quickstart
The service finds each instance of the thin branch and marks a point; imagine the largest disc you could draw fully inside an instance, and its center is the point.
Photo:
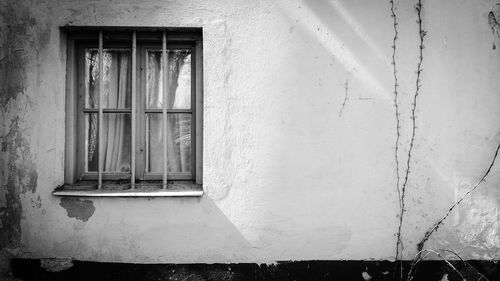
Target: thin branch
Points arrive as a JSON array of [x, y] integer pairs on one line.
[[418, 258], [466, 263], [437, 224], [345, 98]]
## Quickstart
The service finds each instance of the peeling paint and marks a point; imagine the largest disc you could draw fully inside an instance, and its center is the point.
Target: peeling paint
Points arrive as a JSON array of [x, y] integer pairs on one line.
[[13, 58], [20, 32], [22, 38], [18, 175], [78, 208], [21, 176]]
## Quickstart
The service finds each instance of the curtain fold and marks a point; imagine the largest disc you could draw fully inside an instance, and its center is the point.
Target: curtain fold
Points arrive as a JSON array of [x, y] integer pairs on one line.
[[116, 129], [116, 126], [154, 98], [179, 125], [91, 84]]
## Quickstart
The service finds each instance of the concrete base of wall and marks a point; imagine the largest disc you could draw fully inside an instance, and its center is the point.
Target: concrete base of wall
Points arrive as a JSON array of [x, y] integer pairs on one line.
[[54, 270]]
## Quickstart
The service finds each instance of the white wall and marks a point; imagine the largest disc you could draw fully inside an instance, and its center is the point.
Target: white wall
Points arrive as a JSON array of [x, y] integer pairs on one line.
[[286, 176]]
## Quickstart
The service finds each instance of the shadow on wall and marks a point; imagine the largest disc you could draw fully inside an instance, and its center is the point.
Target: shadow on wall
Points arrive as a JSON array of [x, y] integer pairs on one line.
[[190, 230], [294, 210]]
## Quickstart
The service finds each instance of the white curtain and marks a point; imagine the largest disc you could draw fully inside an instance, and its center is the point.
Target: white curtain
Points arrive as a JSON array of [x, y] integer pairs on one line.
[[91, 101], [116, 126], [179, 125]]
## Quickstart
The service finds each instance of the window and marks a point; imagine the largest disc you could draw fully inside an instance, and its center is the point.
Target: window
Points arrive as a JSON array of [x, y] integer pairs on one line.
[[133, 122]]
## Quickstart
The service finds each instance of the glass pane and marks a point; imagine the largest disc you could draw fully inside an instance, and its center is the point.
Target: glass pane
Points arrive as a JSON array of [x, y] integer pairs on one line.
[[154, 80], [154, 143], [91, 143], [117, 78], [116, 146], [91, 78], [178, 143], [179, 72]]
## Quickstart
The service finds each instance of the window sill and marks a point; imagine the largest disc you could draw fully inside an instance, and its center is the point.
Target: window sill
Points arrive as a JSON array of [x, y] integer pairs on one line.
[[175, 189]]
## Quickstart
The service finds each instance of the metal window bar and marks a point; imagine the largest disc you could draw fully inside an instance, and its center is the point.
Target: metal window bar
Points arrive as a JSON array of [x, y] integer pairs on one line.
[[99, 107], [133, 136], [164, 107]]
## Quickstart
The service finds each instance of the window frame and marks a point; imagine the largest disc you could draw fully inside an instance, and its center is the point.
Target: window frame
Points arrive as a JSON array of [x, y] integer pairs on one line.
[[78, 38]]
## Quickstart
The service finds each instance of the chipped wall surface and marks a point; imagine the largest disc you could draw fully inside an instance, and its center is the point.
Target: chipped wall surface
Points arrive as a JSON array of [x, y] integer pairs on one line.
[[299, 133]]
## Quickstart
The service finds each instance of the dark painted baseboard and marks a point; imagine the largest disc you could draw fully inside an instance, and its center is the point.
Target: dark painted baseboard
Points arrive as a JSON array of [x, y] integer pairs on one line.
[[30, 269]]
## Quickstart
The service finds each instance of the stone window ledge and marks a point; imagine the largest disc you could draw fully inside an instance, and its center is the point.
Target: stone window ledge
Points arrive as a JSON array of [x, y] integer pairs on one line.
[[115, 189]]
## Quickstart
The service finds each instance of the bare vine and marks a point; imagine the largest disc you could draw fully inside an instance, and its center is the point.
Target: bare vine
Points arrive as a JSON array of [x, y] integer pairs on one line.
[[420, 245], [398, 127], [418, 258], [422, 34], [402, 181], [396, 104]]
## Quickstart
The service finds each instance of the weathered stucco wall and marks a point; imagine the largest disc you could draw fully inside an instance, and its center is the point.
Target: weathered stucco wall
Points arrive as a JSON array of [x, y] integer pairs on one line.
[[299, 133]]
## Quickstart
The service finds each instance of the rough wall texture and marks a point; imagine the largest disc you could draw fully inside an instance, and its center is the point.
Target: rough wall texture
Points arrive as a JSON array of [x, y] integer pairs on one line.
[[20, 35], [298, 162]]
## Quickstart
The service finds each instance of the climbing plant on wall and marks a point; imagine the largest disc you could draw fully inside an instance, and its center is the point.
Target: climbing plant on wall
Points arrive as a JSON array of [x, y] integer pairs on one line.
[[402, 178]]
